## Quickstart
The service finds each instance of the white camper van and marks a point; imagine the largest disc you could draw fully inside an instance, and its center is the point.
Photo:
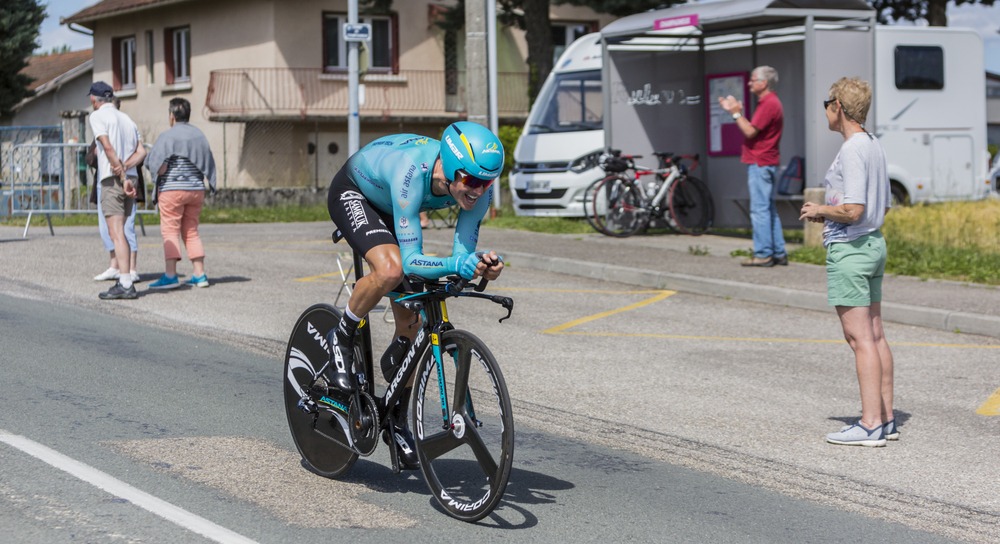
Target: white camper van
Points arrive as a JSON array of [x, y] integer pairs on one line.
[[556, 157], [929, 113]]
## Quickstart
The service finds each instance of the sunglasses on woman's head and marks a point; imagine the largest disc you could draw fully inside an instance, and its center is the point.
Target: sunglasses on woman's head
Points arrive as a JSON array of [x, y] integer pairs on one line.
[[827, 102], [471, 181]]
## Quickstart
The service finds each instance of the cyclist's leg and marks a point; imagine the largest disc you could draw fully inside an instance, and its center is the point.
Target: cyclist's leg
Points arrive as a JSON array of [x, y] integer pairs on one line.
[[366, 232]]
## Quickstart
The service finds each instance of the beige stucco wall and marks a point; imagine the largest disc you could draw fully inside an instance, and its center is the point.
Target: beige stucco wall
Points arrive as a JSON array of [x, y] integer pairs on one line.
[[271, 33], [47, 109]]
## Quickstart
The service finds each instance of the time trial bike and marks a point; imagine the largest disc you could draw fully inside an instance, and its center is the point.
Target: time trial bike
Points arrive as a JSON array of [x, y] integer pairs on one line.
[[459, 408]]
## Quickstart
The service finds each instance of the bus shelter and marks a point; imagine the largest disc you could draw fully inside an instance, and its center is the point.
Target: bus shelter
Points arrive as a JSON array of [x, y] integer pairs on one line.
[[665, 69]]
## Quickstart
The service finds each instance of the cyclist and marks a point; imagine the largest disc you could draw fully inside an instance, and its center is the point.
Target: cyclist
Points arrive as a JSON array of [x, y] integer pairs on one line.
[[375, 201]]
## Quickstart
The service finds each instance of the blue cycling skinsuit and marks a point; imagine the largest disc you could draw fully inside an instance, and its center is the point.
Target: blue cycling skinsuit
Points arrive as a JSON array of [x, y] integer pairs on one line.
[[377, 197]]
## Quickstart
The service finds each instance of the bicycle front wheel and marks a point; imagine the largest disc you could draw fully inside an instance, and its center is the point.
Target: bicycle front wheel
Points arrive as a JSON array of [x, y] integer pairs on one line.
[[320, 433], [691, 208], [595, 202], [463, 426], [618, 207]]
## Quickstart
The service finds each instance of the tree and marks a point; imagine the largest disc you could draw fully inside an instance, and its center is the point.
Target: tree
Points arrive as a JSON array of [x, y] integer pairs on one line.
[[19, 24], [934, 11]]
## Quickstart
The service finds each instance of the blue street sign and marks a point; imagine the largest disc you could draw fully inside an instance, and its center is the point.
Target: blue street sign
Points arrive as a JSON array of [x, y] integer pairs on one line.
[[359, 32]]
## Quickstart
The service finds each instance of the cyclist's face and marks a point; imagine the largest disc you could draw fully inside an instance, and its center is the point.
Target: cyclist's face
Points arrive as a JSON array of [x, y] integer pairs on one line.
[[466, 194]]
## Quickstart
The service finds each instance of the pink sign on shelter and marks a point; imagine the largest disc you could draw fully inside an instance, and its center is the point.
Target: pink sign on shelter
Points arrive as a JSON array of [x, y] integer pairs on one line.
[[676, 22]]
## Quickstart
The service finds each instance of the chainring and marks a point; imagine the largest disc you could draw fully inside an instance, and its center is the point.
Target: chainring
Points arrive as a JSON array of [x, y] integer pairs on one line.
[[363, 423]]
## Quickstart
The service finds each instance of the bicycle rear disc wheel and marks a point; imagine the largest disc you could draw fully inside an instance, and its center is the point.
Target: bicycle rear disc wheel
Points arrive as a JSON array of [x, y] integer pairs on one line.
[[320, 436], [624, 213], [466, 450], [691, 206]]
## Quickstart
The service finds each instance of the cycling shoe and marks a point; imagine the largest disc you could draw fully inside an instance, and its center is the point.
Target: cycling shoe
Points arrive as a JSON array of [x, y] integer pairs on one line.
[[406, 450]]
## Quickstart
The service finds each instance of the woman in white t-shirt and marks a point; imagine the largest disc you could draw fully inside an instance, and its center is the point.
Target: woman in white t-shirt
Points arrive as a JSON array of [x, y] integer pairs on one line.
[[857, 199]]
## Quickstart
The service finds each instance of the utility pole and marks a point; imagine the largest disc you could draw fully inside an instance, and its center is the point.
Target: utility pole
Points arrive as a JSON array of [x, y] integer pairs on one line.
[[480, 66]]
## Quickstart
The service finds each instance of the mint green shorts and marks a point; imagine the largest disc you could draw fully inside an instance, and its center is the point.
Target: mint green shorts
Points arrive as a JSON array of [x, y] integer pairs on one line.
[[854, 271]]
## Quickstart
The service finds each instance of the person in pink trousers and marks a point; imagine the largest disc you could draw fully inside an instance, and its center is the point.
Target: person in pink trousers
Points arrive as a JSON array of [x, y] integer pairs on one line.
[[182, 163]]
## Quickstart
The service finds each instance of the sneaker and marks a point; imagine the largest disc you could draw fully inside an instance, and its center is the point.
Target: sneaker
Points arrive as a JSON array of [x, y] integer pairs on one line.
[[782, 260], [198, 281], [109, 274], [341, 359], [119, 292], [135, 277], [891, 431], [166, 282], [406, 450], [858, 435]]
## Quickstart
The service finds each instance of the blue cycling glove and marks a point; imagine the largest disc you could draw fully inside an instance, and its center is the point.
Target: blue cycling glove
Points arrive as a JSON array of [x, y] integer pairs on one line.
[[467, 265]]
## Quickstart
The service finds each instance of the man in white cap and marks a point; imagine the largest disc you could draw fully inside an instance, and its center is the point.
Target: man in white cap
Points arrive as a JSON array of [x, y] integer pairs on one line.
[[117, 137]]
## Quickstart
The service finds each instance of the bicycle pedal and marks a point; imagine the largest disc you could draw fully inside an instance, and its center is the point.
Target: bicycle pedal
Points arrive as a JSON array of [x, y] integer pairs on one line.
[[307, 405]]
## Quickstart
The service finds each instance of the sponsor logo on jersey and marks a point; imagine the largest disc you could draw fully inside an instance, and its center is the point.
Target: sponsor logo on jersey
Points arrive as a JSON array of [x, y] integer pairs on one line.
[[422, 262], [424, 167], [453, 147], [418, 140], [406, 181], [408, 240], [404, 222], [378, 231], [350, 195], [403, 204]]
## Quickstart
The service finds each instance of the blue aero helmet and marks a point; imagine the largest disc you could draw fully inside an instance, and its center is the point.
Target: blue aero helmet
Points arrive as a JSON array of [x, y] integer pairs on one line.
[[473, 149]]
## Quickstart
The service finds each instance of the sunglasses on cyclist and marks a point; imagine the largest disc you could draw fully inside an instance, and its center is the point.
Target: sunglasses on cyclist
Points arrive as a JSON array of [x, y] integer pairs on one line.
[[827, 102], [471, 181]]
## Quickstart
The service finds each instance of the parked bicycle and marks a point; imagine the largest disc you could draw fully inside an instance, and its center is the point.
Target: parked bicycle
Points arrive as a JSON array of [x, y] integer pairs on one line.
[[631, 198], [459, 408]]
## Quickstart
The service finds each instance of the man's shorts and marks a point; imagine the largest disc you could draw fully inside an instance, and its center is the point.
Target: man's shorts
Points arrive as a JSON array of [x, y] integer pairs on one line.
[[113, 199], [854, 271], [361, 224]]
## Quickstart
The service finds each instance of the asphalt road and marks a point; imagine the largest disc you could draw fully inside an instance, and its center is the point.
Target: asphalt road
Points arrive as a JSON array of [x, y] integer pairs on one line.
[[700, 417], [165, 420]]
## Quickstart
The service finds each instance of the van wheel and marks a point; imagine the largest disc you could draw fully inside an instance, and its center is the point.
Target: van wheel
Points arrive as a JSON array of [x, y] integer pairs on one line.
[[899, 195]]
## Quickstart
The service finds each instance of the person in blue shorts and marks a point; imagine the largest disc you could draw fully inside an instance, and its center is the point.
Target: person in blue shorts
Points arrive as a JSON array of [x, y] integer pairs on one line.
[[375, 201]]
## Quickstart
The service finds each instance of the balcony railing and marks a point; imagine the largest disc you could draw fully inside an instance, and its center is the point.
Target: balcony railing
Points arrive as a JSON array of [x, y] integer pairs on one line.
[[271, 93]]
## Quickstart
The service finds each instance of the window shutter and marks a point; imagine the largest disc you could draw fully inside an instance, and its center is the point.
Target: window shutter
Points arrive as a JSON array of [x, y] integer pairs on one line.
[[116, 63], [168, 56]]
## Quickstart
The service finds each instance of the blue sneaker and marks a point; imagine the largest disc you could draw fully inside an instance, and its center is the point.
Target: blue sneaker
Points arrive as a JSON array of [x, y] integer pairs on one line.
[[891, 431], [198, 281], [166, 282], [858, 435]]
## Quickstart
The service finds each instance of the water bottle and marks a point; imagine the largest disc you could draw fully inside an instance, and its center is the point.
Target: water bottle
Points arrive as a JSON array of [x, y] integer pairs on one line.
[[393, 357]]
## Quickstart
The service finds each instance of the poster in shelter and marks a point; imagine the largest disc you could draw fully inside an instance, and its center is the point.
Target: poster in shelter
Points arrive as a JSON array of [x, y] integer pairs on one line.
[[724, 136]]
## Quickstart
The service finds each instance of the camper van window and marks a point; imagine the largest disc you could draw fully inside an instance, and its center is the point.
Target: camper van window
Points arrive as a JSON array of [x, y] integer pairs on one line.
[[919, 67], [572, 102]]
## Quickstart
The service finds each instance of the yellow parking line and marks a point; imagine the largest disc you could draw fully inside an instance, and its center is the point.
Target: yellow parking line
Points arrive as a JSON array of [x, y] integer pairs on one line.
[[560, 328], [321, 277], [992, 405]]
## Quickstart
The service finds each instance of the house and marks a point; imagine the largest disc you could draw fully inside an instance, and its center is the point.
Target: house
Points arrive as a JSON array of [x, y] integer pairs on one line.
[[267, 79], [60, 82]]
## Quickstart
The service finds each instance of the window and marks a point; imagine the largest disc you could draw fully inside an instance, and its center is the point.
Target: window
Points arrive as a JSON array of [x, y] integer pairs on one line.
[[149, 57], [177, 54], [382, 54], [123, 62], [919, 67], [564, 34]]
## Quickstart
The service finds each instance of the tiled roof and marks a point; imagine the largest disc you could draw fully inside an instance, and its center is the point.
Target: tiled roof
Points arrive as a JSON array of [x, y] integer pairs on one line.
[[45, 68], [110, 8]]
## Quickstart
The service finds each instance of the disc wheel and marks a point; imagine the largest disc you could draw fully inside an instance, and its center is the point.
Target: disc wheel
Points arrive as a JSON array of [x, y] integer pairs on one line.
[[320, 431], [463, 427]]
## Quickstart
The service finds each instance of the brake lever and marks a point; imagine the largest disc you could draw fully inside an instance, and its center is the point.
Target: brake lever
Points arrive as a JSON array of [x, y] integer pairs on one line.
[[507, 303]]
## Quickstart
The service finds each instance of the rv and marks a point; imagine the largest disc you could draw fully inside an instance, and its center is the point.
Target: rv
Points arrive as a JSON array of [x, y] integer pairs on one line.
[[556, 157], [929, 113]]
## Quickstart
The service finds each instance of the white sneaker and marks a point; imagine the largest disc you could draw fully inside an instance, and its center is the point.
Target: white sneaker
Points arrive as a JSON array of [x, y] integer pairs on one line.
[[135, 277], [109, 274]]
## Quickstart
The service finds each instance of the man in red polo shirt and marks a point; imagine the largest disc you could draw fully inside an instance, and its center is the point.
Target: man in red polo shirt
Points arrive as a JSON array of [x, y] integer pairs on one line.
[[760, 152]]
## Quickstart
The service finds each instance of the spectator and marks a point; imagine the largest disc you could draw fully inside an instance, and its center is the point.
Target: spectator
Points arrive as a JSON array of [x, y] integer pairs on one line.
[[857, 198], [182, 161], [112, 272], [117, 137], [760, 152]]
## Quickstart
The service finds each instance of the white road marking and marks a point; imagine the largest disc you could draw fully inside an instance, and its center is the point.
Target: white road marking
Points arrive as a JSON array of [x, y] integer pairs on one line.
[[121, 489]]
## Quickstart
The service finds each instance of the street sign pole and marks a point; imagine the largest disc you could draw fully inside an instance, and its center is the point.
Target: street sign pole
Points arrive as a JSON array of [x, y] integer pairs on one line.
[[353, 122]]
